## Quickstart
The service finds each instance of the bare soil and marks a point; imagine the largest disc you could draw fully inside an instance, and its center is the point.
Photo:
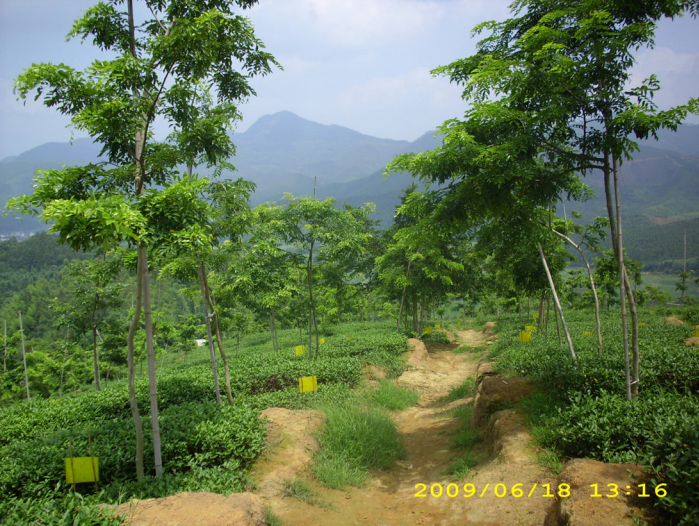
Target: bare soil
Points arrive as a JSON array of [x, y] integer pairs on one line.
[[427, 431]]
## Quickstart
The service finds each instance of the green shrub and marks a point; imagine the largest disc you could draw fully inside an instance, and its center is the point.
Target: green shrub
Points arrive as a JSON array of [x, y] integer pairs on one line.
[[392, 397], [435, 336], [459, 469], [673, 456], [71, 510]]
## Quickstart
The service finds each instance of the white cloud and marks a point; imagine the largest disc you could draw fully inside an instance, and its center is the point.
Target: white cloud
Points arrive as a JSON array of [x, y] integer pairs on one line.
[[360, 22], [416, 82], [664, 60]]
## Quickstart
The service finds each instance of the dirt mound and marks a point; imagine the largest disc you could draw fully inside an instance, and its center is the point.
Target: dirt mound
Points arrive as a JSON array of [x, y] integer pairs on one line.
[[485, 369], [495, 393], [289, 450], [196, 509], [692, 341], [671, 320], [580, 509]]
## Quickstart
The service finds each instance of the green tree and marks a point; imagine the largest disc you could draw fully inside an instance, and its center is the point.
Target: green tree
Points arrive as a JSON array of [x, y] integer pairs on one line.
[[549, 100], [318, 229], [94, 294], [156, 72]]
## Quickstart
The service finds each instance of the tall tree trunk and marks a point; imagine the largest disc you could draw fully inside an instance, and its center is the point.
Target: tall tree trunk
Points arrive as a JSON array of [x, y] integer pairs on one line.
[[150, 352], [273, 323], [422, 314], [209, 338], [24, 356], [96, 358], [415, 314], [540, 319], [219, 337], [309, 267], [592, 286], [635, 372], [546, 324], [131, 364], [4, 349], [402, 297], [557, 303], [622, 280]]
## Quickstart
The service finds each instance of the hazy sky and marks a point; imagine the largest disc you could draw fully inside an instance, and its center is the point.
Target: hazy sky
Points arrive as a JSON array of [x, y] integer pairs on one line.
[[363, 64]]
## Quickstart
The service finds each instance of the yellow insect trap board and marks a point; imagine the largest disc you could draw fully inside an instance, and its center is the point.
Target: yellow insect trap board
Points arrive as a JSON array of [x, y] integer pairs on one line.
[[427, 330], [322, 341], [587, 333], [525, 336], [300, 350], [82, 469], [529, 328], [308, 384]]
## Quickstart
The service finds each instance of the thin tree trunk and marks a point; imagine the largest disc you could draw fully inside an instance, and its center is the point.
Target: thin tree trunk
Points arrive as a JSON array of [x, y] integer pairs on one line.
[[4, 349], [422, 314], [415, 314], [557, 303], [540, 320], [275, 341], [402, 297], [310, 301], [24, 356], [623, 285], [546, 325], [592, 285], [219, 338], [95, 356], [131, 364], [209, 337], [150, 351]]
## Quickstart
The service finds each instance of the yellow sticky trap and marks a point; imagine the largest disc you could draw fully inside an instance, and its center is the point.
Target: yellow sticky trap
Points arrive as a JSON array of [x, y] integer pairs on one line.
[[529, 328], [300, 350], [643, 325], [308, 384], [696, 334], [349, 337], [587, 333], [437, 326], [525, 336], [535, 315], [458, 323], [84, 470], [321, 341], [427, 330], [652, 312]]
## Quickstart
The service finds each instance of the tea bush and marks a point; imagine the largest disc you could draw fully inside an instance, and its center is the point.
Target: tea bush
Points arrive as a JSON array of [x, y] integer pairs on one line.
[[582, 410]]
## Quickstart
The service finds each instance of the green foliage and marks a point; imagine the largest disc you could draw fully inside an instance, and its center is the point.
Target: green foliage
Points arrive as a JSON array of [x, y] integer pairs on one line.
[[582, 411], [672, 455], [436, 336], [72, 510], [355, 439], [389, 396]]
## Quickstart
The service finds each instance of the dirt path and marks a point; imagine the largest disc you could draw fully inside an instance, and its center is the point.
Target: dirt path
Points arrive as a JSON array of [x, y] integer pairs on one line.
[[427, 431]]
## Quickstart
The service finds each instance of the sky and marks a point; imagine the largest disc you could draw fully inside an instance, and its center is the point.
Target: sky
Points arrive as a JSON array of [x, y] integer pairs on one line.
[[363, 64]]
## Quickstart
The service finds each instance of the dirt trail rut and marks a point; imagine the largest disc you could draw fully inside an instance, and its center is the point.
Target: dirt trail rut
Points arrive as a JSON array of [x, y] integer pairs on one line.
[[427, 431]]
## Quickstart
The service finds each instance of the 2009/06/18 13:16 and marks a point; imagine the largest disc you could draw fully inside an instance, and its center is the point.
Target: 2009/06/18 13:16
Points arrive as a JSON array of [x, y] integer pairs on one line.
[[517, 491]]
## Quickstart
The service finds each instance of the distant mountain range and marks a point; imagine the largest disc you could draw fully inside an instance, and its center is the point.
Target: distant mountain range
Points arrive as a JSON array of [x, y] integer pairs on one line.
[[284, 153]]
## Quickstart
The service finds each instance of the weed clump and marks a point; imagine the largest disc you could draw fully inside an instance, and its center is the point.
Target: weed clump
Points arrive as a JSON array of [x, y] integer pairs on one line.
[[395, 398], [356, 439]]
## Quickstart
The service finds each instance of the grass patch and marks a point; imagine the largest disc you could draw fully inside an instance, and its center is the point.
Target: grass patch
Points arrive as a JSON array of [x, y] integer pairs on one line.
[[298, 489], [270, 518], [461, 391], [389, 396], [466, 437], [550, 460], [338, 472], [355, 440], [459, 469]]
